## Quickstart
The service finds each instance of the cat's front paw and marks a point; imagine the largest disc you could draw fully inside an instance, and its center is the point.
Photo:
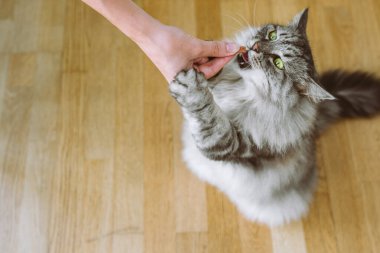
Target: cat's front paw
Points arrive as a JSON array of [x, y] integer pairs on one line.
[[190, 90]]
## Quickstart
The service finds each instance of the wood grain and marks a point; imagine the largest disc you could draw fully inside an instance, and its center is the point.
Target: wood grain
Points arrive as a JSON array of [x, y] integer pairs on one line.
[[90, 140]]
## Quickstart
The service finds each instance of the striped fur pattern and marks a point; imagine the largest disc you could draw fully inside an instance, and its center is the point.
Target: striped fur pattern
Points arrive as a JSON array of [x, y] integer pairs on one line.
[[250, 131]]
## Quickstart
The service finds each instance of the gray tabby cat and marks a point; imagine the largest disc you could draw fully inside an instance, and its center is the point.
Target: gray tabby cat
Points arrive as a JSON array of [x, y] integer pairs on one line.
[[251, 130]]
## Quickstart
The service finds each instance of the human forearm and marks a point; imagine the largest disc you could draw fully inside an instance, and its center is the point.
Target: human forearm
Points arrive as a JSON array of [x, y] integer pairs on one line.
[[127, 17], [147, 32]]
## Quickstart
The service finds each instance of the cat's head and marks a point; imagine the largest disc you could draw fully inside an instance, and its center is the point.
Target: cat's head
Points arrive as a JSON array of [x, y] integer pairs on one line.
[[279, 61]]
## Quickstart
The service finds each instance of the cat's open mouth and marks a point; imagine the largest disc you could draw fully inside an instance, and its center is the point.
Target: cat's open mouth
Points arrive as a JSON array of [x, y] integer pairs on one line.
[[243, 60]]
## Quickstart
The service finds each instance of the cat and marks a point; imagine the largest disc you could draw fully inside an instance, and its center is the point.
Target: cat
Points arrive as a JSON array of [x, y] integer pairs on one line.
[[250, 131]]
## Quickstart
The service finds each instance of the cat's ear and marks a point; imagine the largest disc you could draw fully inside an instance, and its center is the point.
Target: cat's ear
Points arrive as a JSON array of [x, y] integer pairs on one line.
[[299, 21], [315, 92]]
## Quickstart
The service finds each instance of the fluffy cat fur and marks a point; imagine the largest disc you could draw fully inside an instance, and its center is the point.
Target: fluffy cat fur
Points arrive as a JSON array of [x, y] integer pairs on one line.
[[251, 130]]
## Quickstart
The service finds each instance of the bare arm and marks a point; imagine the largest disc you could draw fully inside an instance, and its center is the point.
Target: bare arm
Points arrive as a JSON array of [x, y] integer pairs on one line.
[[169, 48]]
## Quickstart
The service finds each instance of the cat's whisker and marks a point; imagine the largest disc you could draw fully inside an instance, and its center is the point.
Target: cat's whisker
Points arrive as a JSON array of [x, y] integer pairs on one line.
[[239, 22], [248, 67], [249, 25], [244, 19], [254, 12], [255, 61], [234, 28]]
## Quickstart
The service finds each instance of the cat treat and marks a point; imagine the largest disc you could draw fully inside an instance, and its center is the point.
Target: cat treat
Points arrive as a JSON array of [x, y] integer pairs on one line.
[[242, 50]]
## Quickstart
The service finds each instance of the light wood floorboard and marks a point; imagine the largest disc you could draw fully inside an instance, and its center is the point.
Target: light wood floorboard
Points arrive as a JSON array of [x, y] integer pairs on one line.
[[90, 145]]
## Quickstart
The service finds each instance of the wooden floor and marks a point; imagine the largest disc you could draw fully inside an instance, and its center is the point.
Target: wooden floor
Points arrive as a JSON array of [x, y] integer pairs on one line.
[[90, 149]]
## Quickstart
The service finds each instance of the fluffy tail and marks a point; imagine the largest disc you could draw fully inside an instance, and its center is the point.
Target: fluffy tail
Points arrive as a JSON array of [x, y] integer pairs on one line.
[[357, 95]]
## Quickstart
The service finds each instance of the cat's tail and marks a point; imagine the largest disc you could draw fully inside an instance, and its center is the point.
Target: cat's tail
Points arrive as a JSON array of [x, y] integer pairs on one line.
[[357, 95]]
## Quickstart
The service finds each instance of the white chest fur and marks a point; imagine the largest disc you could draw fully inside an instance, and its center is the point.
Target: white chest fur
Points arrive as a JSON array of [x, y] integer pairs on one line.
[[267, 124]]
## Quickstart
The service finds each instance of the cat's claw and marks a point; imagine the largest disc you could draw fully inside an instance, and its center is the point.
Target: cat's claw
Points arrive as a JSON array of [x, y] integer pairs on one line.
[[191, 78], [189, 88]]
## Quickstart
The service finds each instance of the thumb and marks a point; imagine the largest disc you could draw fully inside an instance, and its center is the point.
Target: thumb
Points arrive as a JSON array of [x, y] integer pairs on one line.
[[218, 48]]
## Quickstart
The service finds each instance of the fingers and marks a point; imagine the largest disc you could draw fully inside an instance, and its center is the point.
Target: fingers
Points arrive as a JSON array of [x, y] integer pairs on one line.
[[211, 68], [201, 61], [218, 48]]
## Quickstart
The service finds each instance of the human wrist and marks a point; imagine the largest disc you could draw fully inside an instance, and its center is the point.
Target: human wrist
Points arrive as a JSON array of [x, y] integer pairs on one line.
[[147, 33]]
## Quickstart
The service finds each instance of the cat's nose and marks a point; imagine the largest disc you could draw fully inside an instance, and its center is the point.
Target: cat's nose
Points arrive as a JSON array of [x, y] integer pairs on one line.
[[256, 47]]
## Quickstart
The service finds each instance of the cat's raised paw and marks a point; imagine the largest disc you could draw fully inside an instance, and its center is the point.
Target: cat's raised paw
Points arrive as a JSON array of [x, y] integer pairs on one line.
[[191, 78], [189, 88]]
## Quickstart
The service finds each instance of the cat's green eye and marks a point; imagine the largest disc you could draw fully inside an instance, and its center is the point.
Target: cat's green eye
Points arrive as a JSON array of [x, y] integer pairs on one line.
[[272, 35], [278, 63]]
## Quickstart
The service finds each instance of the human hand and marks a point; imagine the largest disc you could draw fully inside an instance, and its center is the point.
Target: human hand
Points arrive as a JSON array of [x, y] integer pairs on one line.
[[173, 50]]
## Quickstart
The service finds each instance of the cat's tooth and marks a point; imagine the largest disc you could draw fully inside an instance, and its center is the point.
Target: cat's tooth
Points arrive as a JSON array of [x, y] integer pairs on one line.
[[250, 54]]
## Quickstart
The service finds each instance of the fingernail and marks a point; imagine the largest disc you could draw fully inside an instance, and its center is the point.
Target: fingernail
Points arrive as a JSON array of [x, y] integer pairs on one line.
[[232, 47]]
